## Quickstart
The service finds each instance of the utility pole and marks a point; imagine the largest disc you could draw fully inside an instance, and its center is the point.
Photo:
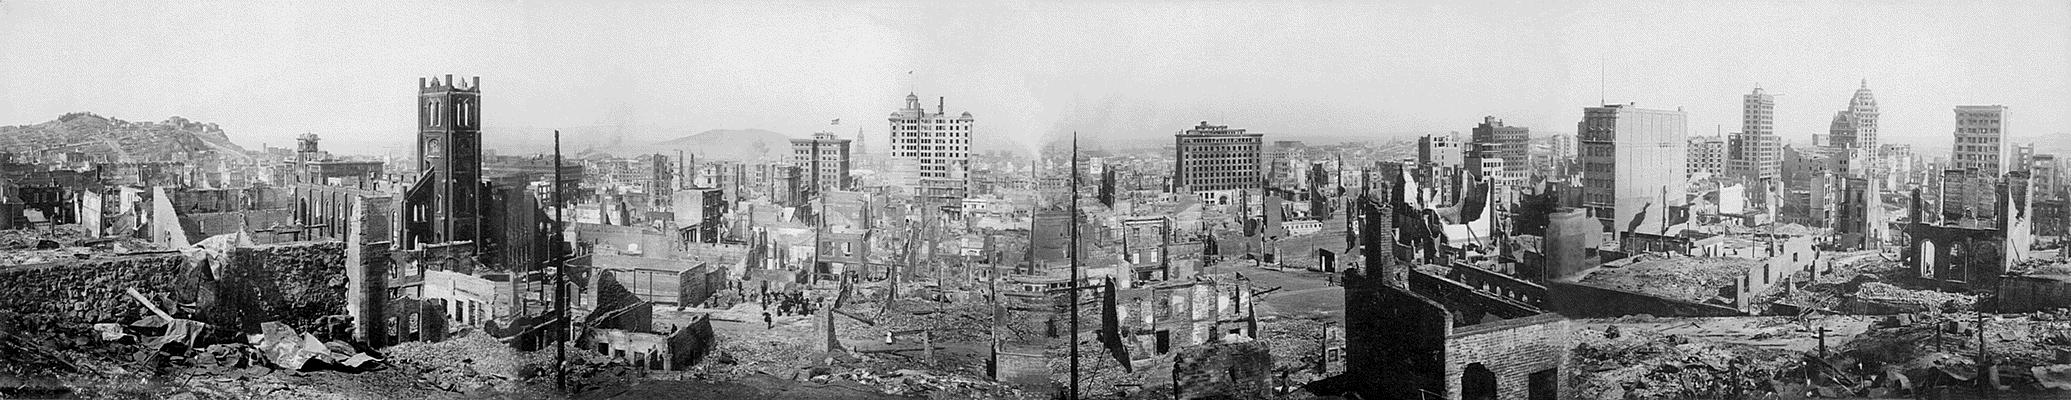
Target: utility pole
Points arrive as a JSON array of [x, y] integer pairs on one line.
[[560, 276], [1323, 351], [1984, 365], [1074, 230]]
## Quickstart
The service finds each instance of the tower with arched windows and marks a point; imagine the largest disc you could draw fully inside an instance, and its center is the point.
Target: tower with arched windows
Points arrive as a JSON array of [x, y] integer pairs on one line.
[[449, 159]]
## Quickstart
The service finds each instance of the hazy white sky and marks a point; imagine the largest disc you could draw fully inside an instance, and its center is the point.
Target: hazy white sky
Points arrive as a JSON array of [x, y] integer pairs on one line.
[[270, 70]]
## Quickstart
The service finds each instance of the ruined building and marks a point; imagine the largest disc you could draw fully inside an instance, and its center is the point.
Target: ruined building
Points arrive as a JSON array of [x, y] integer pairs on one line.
[[1412, 335]]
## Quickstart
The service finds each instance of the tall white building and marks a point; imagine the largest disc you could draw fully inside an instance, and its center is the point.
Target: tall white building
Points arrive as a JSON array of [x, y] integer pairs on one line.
[[931, 152], [1856, 127], [1630, 160], [1755, 152], [1981, 146]]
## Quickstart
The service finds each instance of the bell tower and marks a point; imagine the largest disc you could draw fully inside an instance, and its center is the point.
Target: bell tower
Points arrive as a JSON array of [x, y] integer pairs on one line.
[[449, 143]]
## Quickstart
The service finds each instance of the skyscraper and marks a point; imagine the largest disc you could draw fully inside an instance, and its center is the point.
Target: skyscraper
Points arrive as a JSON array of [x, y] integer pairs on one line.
[[1215, 158], [1856, 127], [1632, 163], [931, 152], [825, 161], [1755, 153]]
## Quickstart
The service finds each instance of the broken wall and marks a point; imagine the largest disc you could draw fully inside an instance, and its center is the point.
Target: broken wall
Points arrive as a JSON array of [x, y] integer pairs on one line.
[[1394, 339], [2019, 294], [93, 290], [1224, 370], [1026, 368], [1524, 355], [294, 283], [691, 343], [1577, 300]]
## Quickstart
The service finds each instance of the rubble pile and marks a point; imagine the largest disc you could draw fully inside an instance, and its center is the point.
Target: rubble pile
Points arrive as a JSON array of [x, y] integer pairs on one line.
[[784, 357], [1694, 279], [907, 382], [1296, 345], [1909, 338], [1883, 298], [1642, 364], [67, 242]]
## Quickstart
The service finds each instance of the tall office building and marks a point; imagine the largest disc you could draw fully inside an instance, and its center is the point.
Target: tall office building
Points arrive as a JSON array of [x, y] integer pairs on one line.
[[1439, 151], [1981, 147], [1707, 155], [1216, 158], [1755, 153], [1630, 156], [931, 152], [824, 159], [1560, 149], [1492, 141], [1856, 127]]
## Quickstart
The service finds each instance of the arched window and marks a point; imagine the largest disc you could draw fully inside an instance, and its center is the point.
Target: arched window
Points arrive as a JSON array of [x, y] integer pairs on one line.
[[1477, 382], [436, 112]]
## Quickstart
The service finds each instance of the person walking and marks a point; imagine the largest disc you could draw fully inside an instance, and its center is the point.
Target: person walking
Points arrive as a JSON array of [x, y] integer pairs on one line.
[[766, 320]]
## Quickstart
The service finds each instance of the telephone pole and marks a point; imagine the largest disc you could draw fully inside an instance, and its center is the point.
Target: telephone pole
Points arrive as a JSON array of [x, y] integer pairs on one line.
[[560, 276], [1074, 252]]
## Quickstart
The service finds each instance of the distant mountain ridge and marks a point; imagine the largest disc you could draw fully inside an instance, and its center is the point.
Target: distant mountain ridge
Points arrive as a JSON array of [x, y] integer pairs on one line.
[[175, 139], [747, 145]]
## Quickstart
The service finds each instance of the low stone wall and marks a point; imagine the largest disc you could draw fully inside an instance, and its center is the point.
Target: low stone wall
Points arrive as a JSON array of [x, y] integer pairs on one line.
[[295, 283], [93, 290]]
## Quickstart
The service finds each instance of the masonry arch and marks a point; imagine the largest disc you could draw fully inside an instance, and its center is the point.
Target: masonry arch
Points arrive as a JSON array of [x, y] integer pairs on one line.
[[1477, 382]]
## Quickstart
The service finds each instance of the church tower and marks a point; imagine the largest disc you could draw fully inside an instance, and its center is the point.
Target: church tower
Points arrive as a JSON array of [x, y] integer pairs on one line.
[[449, 143]]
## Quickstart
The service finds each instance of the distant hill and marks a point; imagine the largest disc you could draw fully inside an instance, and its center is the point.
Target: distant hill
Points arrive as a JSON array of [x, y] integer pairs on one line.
[[175, 139], [717, 144]]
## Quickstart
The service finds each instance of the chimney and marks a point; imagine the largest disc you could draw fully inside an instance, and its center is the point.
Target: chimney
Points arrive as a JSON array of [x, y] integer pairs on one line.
[[475, 83], [449, 80], [940, 103]]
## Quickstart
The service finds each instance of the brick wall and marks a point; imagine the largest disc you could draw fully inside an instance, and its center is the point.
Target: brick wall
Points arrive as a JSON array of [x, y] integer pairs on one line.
[[92, 290], [1394, 339], [1027, 369], [2027, 293], [1224, 370], [1511, 349]]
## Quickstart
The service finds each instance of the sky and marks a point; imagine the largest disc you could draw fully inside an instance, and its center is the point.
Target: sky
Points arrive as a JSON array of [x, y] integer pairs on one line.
[[268, 71]]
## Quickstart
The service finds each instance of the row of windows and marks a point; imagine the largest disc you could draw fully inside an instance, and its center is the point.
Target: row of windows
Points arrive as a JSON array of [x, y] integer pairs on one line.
[[928, 128], [916, 141], [931, 134]]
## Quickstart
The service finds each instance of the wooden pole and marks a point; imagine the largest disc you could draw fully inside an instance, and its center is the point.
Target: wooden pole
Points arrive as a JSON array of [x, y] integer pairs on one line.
[[1074, 252], [560, 276]]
